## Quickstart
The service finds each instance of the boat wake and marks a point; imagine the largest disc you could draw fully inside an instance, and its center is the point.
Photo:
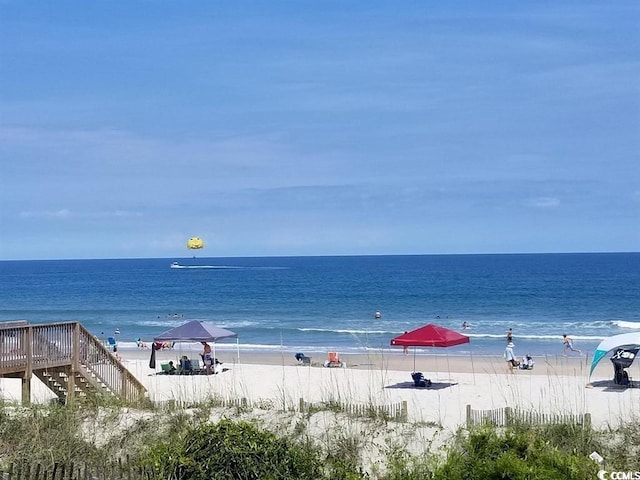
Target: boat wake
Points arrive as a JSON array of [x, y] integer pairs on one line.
[[193, 267], [176, 265]]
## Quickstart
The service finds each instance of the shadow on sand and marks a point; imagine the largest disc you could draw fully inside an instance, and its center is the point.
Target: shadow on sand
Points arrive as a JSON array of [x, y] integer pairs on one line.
[[611, 386], [433, 386]]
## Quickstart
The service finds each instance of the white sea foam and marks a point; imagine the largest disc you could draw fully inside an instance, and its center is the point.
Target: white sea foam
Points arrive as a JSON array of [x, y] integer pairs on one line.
[[170, 322], [623, 324], [353, 332], [537, 337]]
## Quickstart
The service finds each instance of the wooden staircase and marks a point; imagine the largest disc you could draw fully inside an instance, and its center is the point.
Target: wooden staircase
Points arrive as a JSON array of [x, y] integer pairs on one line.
[[85, 385], [67, 359]]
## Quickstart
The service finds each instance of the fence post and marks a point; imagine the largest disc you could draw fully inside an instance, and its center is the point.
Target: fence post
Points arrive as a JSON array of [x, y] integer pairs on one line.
[[586, 419], [508, 416], [301, 405], [405, 411], [469, 419]]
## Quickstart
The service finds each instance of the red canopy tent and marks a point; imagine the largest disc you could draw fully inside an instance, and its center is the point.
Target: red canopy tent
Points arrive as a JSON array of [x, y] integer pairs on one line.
[[430, 336]]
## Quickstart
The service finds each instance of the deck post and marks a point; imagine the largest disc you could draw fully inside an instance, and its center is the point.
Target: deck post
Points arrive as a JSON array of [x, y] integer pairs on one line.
[[75, 362], [28, 371]]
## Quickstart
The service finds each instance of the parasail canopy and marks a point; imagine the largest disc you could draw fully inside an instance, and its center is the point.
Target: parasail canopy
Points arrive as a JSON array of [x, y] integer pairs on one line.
[[195, 243]]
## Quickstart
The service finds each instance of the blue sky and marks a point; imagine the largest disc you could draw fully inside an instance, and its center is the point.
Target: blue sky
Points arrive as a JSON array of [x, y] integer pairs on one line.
[[318, 128]]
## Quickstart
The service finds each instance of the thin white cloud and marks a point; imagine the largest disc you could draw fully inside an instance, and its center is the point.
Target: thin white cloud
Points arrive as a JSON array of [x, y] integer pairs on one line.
[[543, 202], [65, 213], [62, 213]]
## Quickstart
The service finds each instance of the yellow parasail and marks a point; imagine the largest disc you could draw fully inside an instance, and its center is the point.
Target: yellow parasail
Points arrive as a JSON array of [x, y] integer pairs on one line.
[[195, 243]]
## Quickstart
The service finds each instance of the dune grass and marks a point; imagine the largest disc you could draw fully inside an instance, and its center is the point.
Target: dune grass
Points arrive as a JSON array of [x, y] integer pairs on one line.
[[333, 443]]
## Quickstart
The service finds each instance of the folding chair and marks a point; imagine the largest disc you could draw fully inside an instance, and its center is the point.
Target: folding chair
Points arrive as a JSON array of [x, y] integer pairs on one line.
[[334, 360], [185, 367]]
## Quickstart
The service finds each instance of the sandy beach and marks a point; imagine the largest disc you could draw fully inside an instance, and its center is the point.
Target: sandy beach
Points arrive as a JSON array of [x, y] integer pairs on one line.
[[556, 384]]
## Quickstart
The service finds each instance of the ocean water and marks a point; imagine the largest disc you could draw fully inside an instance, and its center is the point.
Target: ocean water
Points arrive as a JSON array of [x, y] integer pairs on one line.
[[328, 303]]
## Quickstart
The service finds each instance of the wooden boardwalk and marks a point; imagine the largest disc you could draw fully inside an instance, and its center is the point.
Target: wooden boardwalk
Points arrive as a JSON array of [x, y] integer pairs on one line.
[[68, 359]]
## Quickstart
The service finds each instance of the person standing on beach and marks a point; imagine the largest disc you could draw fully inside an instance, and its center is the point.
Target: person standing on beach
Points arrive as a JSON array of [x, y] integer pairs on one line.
[[405, 349], [510, 357], [510, 335], [568, 345], [206, 357]]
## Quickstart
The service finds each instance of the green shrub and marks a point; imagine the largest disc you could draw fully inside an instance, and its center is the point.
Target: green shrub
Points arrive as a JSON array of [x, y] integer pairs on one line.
[[229, 450], [343, 459], [400, 465], [487, 454]]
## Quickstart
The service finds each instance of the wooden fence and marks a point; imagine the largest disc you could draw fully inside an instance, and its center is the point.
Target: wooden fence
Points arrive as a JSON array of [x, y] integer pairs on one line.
[[394, 411], [239, 403], [62, 471], [507, 416]]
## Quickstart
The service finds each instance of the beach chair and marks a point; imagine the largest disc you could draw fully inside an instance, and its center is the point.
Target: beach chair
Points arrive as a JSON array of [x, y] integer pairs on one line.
[[112, 342], [334, 360], [303, 359], [185, 367], [166, 369]]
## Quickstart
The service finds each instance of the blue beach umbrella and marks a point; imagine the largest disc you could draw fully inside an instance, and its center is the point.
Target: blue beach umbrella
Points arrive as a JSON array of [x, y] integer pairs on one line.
[[626, 340]]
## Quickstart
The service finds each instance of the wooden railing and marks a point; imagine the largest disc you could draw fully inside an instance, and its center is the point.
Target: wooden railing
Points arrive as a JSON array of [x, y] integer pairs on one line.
[[25, 349]]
